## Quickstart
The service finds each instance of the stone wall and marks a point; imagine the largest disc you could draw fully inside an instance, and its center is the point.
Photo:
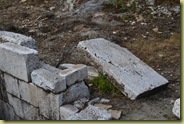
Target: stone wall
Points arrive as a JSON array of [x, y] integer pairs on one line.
[[33, 90]]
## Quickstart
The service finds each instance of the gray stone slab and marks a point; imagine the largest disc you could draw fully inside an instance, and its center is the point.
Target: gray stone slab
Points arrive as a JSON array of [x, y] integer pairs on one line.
[[18, 39], [91, 113], [132, 76], [176, 108], [48, 80], [18, 61]]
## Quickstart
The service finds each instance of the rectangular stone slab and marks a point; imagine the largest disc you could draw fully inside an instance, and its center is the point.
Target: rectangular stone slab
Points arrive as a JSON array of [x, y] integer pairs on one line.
[[132, 76], [18, 61]]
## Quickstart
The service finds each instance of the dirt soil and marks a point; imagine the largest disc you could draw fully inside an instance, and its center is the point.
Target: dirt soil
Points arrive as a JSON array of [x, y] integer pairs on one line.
[[59, 26]]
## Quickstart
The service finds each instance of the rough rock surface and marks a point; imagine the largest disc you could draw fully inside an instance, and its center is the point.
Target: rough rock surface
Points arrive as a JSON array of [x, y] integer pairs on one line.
[[176, 108], [91, 113], [132, 76]]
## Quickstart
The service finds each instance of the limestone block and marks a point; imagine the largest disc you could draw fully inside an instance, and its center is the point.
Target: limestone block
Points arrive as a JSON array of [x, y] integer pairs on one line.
[[18, 61], [16, 104], [48, 80], [76, 92], [49, 104], [176, 108], [67, 111], [18, 39], [12, 86], [91, 113], [132, 76], [74, 74], [6, 111], [30, 112]]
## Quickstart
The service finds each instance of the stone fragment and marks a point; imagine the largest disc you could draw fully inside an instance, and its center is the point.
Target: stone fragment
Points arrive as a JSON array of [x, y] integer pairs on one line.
[[104, 100], [18, 39], [67, 111], [80, 103], [103, 106], [116, 114], [132, 76], [18, 61], [176, 108], [91, 113], [48, 81]]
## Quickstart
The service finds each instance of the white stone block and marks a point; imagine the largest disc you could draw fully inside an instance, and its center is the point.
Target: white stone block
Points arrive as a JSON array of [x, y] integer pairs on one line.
[[91, 113], [74, 74], [16, 104], [18, 39], [132, 76], [48, 81], [75, 92], [67, 111], [176, 108], [49, 104], [18, 61], [11, 84]]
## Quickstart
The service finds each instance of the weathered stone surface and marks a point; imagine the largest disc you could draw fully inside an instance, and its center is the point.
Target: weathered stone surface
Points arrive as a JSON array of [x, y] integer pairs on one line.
[[6, 111], [49, 104], [176, 108], [80, 103], [103, 106], [3, 93], [12, 86], [67, 111], [116, 114], [74, 74], [132, 76], [48, 81], [18, 61], [18, 39], [16, 104], [22, 90], [66, 66], [104, 100], [30, 112], [92, 72], [76, 92], [91, 113]]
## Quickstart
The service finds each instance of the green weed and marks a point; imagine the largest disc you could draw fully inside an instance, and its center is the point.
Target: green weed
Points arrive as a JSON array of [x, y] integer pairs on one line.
[[103, 84]]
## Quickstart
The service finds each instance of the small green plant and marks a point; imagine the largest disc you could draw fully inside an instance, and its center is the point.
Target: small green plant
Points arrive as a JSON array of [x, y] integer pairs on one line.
[[104, 85], [1, 22]]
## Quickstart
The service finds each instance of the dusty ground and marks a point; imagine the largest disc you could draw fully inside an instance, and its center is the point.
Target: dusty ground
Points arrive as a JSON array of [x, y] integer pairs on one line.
[[58, 28]]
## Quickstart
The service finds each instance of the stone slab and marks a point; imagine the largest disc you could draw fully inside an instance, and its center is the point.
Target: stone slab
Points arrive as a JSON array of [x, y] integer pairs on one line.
[[91, 113], [48, 80], [132, 76], [18, 61], [18, 39], [176, 108]]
